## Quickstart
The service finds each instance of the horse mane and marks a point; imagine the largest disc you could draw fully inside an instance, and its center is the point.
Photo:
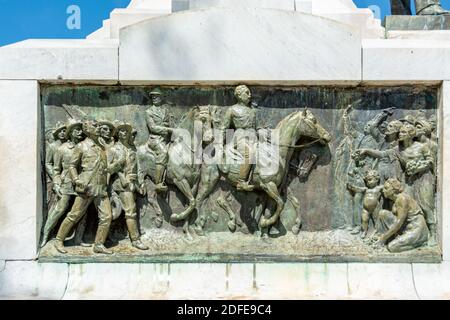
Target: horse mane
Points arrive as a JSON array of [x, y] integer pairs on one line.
[[286, 119], [186, 120]]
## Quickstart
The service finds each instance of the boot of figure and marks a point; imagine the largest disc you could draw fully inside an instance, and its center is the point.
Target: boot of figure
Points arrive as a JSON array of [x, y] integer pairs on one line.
[[135, 237], [244, 172], [160, 170], [100, 239], [63, 231]]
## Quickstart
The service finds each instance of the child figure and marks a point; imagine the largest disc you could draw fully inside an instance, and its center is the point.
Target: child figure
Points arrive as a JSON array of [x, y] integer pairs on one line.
[[371, 199]]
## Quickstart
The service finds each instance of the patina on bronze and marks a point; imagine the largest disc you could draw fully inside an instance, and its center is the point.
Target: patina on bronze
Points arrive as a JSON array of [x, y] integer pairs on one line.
[[241, 174]]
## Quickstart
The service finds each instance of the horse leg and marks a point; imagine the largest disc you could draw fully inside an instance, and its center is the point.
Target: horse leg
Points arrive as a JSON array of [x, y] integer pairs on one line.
[[185, 188], [259, 211], [272, 191], [209, 178], [296, 204], [152, 200], [225, 205], [186, 229], [266, 214]]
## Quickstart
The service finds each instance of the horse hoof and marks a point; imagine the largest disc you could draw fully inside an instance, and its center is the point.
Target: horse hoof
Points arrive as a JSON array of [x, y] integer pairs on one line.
[[199, 231], [174, 218], [232, 226], [295, 230], [159, 222], [263, 223], [215, 216], [188, 237]]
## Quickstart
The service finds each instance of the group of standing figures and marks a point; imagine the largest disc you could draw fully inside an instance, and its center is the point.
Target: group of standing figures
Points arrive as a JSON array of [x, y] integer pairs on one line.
[[391, 177]]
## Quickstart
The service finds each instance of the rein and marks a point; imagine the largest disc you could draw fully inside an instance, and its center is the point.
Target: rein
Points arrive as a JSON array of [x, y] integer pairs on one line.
[[300, 145]]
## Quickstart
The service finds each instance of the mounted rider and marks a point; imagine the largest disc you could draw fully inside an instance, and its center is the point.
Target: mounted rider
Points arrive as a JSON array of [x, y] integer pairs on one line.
[[242, 118], [158, 123]]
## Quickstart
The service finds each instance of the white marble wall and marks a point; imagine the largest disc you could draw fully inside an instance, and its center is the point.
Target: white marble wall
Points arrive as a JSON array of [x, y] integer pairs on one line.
[[19, 167], [31, 280], [66, 60], [240, 44], [406, 60], [268, 4]]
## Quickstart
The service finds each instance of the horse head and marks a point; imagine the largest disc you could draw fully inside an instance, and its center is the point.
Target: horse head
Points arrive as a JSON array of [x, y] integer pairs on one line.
[[205, 118], [309, 127]]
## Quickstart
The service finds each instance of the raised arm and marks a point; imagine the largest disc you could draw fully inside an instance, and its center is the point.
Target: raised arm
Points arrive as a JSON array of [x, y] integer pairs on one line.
[[373, 153], [355, 188]]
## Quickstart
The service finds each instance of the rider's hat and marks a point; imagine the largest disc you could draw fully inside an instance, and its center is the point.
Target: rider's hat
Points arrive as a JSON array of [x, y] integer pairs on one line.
[[156, 91]]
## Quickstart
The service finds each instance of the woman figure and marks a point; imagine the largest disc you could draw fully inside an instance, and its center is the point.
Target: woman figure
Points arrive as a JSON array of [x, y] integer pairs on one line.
[[404, 228], [388, 162], [417, 161], [419, 164]]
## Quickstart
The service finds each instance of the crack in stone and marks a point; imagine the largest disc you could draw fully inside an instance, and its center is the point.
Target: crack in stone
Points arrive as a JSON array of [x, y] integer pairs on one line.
[[349, 291], [414, 282], [67, 282]]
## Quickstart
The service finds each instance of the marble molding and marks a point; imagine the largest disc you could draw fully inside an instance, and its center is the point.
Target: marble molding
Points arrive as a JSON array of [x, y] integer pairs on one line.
[[187, 46], [60, 60], [405, 60], [31, 280]]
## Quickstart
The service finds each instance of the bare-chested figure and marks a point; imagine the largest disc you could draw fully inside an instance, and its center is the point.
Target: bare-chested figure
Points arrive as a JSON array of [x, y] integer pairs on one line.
[[371, 199], [417, 161]]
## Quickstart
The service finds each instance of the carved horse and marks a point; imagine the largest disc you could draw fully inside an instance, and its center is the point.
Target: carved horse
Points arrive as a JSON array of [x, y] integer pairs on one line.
[[298, 126], [183, 168]]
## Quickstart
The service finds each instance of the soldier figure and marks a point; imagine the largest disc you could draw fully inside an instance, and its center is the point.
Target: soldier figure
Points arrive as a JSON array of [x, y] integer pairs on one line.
[[423, 7], [242, 117], [62, 181], [123, 182], [59, 136], [157, 118], [91, 184]]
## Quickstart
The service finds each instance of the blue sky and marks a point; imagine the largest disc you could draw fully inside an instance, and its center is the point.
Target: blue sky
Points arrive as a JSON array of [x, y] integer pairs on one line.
[[27, 19]]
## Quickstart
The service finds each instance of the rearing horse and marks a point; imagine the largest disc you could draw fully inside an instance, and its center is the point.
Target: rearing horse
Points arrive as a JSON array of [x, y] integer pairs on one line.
[[298, 125]]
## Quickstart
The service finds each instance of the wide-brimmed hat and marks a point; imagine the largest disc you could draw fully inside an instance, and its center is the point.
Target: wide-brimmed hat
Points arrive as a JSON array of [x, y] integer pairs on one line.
[[409, 119], [122, 125], [156, 91], [109, 124], [71, 124], [425, 124], [59, 126]]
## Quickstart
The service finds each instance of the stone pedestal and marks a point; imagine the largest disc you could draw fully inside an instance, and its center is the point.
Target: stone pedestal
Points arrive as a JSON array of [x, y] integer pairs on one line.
[[417, 22], [322, 42]]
